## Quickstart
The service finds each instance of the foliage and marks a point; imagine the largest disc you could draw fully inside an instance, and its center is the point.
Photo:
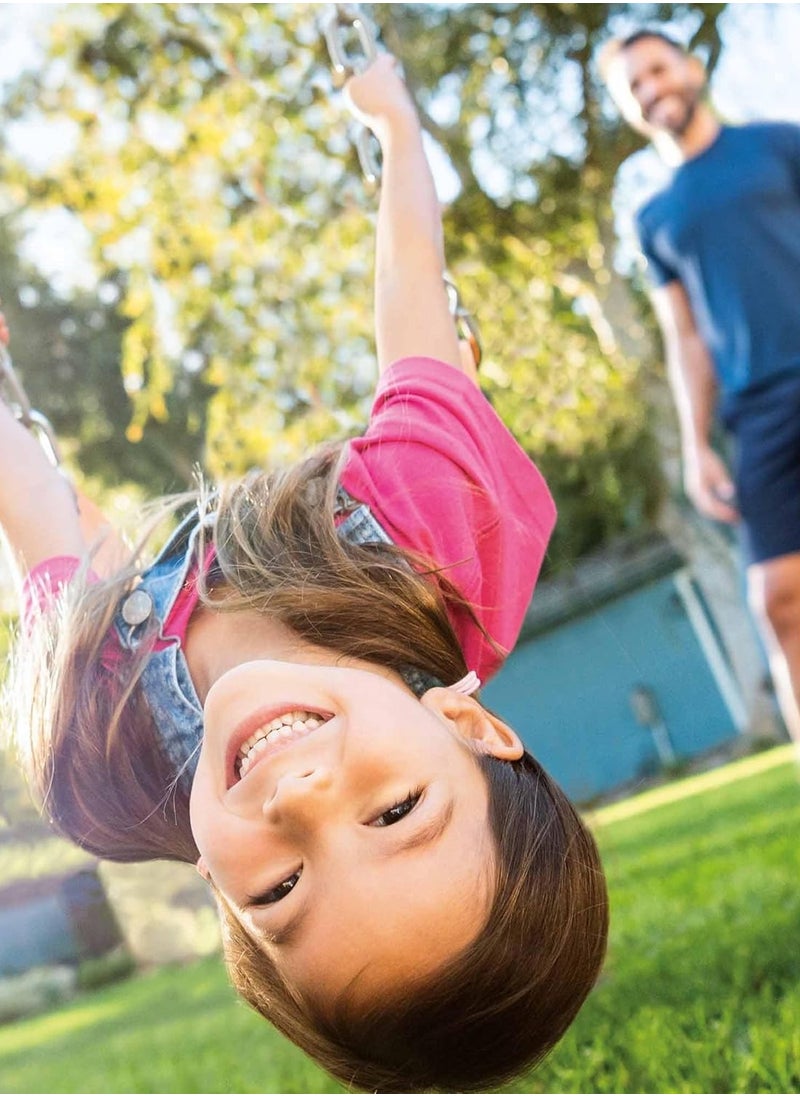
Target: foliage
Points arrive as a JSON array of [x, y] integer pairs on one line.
[[105, 969], [700, 992], [26, 853], [216, 212], [211, 166], [67, 354], [591, 440]]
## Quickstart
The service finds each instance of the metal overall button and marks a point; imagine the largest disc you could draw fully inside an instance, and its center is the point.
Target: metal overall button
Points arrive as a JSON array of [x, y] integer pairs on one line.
[[136, 608]]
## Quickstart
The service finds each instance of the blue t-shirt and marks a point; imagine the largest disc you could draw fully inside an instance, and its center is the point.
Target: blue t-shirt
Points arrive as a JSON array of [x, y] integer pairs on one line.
[[728, 228]]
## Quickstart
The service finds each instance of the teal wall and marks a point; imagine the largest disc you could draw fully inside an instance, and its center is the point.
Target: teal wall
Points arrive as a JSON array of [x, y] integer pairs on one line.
[[55, 919], [567, 691], [36, 934]]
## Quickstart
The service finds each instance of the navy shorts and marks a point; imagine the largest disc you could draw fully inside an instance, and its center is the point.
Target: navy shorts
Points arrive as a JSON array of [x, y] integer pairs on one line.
[[765, 425]]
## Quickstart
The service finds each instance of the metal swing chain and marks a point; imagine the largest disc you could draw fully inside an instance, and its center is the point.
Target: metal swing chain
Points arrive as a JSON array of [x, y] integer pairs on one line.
[[339, 21], [466, 324], [14, 395]]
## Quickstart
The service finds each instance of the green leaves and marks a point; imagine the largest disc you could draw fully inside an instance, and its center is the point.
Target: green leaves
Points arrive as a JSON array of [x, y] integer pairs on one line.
[[211, 164]]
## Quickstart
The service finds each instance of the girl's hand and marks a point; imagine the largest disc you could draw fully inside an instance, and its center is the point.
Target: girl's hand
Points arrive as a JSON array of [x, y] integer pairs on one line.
[[4, 332], [379, 99]]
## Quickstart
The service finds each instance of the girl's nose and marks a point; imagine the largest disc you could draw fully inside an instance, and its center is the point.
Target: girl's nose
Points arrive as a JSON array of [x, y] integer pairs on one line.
[[299, 794]]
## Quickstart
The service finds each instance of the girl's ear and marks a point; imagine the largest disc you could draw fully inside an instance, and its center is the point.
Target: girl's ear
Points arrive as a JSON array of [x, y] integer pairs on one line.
[[485, 732], [202, 869]]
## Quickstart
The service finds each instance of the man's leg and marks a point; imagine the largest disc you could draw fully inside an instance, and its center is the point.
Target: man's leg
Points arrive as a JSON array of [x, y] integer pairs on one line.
[[774, 596]]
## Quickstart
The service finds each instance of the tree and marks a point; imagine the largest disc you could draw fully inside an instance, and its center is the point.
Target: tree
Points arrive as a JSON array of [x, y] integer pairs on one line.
[[67, 354], [212, 168]]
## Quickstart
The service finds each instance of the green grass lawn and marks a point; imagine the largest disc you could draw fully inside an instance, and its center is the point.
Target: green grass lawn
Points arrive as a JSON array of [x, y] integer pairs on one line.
[[701, 992]]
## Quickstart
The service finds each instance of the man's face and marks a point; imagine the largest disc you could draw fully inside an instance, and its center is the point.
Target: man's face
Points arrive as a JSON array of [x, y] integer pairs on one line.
[[664, 86]]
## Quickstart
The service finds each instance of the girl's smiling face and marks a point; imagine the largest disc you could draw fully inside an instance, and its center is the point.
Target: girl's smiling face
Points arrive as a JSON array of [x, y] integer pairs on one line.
[[345, 822]]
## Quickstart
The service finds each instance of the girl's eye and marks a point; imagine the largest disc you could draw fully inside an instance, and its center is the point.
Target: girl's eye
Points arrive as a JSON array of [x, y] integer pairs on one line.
[[270, 897], [399, 810]]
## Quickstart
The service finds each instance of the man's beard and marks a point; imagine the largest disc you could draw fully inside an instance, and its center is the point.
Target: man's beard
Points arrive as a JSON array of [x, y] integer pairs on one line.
[[690, 99]]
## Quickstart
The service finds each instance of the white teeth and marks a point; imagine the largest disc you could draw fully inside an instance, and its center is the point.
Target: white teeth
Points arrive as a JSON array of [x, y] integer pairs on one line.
[[289, 725]]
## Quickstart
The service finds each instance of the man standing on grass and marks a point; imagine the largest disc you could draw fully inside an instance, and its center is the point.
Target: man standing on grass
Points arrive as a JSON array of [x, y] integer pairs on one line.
[[722, 243]]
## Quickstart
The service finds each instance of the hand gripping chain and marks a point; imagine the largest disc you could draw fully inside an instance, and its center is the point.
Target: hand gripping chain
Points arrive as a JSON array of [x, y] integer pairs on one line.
[[338, 21]]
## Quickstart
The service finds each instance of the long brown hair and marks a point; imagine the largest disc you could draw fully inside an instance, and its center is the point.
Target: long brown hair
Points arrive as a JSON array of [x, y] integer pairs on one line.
[[500, 1005], [93, 753], [85, 735]]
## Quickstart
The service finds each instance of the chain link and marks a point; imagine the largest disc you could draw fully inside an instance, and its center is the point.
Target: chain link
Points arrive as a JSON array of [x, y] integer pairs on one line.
[[338, 24], [466, 325], [12, 392], [338, 21]]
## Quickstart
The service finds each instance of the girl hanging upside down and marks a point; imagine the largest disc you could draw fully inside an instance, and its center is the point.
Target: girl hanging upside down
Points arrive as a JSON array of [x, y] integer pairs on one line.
[[283, 698]]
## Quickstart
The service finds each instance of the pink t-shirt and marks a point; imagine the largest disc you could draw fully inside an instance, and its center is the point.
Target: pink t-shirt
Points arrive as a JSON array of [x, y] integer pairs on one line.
[[44, 581], [445, 478]]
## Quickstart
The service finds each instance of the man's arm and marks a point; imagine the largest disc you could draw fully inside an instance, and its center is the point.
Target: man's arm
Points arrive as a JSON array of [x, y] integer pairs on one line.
[[694, 387], [412, 315]]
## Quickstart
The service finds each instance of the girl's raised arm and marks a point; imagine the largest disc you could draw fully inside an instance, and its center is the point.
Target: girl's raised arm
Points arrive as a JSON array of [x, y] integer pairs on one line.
[[412, 315], [40, 512]]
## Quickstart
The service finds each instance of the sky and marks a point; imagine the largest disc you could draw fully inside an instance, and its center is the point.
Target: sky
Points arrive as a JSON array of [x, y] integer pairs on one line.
[[756, 78]]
